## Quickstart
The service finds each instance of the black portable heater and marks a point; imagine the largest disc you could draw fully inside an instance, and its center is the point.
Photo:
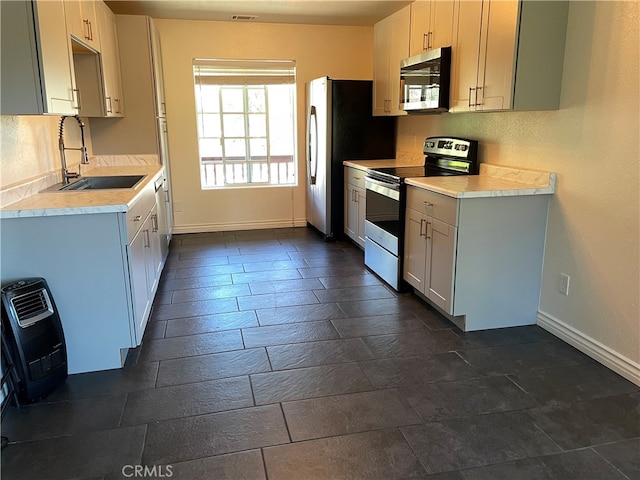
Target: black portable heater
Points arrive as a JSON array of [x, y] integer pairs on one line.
[[35, 338]]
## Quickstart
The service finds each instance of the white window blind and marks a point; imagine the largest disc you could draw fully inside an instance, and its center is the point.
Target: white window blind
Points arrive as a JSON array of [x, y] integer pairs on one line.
[[246, 122]]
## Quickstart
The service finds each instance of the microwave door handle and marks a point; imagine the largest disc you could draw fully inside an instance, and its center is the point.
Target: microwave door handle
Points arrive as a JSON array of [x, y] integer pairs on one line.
[[313, 153]]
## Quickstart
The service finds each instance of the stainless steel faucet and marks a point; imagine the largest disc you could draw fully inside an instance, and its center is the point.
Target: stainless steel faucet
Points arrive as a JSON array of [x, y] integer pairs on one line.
[[66, 174]]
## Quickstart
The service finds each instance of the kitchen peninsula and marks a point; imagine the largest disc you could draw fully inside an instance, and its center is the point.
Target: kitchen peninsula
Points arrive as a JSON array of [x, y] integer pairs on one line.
[[101, 252]]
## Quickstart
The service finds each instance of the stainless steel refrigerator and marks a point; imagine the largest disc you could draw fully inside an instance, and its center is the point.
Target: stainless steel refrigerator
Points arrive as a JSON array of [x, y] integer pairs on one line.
[[340, 126]]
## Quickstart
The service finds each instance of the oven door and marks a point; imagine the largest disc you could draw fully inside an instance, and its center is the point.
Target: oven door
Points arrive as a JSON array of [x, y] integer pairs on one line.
[[382, 217]]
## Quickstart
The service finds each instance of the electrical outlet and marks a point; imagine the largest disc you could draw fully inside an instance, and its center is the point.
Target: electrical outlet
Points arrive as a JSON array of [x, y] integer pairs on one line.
[[564, 283]]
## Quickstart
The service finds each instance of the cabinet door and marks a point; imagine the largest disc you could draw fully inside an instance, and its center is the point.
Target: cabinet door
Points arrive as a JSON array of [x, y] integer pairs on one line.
[[431, 25], [162, 222], [361, 201], [138, 274], [441, 239], [415, 249], [81, 22], [382, 32], [158, 78], [153, 255], [420, 14], [464, 62], [496, 67], [399, 50], [441, 24], [37, 71], [110, 59], [350, 212]]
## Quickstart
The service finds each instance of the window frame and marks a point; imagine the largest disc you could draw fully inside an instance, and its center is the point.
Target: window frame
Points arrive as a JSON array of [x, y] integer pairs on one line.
[[261, 77]]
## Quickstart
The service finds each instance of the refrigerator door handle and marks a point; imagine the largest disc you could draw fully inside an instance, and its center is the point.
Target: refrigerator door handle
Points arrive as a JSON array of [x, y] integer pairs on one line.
[[313, 139]]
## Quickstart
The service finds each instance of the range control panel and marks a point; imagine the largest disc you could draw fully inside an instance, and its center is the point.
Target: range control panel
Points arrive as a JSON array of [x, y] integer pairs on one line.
[[450, 147]]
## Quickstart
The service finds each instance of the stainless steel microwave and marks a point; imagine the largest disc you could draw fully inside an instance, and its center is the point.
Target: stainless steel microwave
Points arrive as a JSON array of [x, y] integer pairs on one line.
[[424, 81]]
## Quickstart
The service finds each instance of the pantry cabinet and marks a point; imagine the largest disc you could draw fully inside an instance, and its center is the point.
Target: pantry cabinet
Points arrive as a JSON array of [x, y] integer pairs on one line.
[[354, 205], [36, 64], [82, 23], [144, 129], [507, 55], [431, 25], [390, 45], [477, 260]]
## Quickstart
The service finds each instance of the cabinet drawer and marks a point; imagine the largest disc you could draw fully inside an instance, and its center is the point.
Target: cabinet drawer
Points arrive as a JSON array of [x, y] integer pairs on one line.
[[433, 204], [354, 176], [139, 211]]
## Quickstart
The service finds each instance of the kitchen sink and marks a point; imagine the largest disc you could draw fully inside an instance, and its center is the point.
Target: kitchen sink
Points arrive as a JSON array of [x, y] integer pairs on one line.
[[104, 183]]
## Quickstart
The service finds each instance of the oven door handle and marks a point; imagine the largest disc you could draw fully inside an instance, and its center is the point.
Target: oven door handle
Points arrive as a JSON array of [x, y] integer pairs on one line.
[[383, 188]]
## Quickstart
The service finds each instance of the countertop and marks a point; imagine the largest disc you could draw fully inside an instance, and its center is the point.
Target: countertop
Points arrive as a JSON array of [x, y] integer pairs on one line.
[[52, 203], [493, 181], [403, 159]]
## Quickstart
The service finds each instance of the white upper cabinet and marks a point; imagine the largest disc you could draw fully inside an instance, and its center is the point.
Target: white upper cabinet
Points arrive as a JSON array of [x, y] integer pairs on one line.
[[507, 55], [81, 21], [431, 25], [390, 45], [110, 57], [36, 64]]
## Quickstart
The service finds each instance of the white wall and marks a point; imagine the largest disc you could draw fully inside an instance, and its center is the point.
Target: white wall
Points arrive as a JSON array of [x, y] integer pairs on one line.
[[339, 52], [592, 143]]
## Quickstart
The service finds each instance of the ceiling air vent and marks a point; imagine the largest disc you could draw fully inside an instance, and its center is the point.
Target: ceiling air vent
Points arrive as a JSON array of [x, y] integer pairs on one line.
[[244, 18]]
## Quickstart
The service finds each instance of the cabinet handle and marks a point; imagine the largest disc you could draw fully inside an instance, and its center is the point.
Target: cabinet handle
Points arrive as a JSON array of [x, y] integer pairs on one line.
[[427, 204], [147, 243], [137, 218], [164, 109], [425, 41], [109, 106], [356, 197], [427, 232], [78, 101], [118, 107], [422, 222], [154, 222], [429, 37], [477, 104], [90, 31], [166, 196], [471, 89]]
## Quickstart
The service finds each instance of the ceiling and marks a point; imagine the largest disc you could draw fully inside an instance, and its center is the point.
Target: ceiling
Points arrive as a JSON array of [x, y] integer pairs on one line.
[[325, 12]]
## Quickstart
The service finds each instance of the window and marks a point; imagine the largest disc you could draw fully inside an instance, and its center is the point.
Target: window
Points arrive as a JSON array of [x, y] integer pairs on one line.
[[246, 122]]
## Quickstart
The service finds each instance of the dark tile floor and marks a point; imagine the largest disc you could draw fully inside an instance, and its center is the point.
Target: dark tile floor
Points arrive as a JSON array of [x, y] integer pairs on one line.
[[274, 355]]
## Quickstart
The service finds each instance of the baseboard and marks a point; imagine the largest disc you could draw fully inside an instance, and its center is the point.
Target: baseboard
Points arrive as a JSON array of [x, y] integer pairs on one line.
[[587, 345], [228, 227]]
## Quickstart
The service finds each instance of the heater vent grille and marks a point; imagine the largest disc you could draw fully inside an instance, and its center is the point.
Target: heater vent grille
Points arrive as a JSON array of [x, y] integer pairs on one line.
[[32, 307]]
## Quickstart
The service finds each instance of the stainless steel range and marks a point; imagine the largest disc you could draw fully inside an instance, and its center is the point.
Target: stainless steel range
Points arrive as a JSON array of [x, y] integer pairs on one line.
[[386, 201]]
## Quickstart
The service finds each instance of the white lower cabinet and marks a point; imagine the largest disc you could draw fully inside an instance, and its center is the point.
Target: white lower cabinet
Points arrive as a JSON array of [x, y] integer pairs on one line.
[[430, 246], [145, 267], [478, 260], [103, 270], [354, 204]]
